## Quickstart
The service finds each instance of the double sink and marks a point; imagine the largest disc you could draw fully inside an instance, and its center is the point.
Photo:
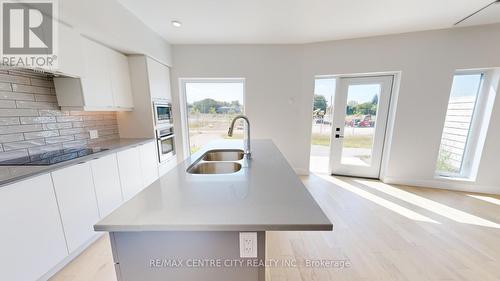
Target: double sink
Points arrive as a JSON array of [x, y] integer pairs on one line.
[[219, 161]]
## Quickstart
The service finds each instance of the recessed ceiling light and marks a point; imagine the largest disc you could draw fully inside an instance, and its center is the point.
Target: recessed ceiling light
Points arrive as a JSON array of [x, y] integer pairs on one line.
[[176, 23]]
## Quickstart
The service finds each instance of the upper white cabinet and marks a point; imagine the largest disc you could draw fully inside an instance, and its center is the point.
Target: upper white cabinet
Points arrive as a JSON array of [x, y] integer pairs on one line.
[[32, 238], [69, 52], [159, 80], [129, 165], [107, 184], [120, 81], [150, 81], [96, 81], [104, 84], [76, 197]]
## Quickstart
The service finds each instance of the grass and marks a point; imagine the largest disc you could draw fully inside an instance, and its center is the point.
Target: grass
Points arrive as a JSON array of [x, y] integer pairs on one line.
[[351, 141], [318, 139]]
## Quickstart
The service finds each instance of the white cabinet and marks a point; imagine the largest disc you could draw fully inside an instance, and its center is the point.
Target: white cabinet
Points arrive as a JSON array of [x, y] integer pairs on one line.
[[31, 236], [150, 81], [138, 168], [69, 55], [159, 80], [105, 83], [46, 218], [96, 81], [120, 81], [149, 162], [76, 197], [129, 165], [107, 184]]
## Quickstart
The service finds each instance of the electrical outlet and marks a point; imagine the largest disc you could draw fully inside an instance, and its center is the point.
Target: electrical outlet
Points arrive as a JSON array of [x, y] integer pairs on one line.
[[93, 134], [248, 244]]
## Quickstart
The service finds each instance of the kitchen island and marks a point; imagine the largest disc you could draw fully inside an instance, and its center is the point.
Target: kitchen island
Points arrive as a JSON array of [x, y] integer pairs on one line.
[[187, 226]]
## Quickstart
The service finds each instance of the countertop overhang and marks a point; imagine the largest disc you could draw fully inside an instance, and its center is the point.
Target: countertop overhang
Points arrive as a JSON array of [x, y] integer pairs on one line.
[[265, 195]]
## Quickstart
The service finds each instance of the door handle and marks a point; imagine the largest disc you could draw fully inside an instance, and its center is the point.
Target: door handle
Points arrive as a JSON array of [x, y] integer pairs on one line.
[[338, 136]]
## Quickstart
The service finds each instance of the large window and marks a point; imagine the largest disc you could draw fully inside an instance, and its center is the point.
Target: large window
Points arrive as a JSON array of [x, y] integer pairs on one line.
[[211, 104], [457, 141]]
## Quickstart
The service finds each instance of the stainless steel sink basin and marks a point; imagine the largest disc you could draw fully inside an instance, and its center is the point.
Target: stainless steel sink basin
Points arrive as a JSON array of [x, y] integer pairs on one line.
[[215, 168], [224, 155]]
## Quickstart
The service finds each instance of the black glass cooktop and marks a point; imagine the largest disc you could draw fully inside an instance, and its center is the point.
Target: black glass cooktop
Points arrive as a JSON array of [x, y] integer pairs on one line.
[[51, 157]]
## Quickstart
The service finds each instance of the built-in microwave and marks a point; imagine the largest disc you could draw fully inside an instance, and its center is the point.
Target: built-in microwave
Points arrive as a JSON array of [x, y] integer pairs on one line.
[[166, 143], [163, 112]]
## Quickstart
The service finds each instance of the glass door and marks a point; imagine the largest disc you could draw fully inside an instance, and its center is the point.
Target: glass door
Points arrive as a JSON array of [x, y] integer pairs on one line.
[[324, 91], [359, 124]]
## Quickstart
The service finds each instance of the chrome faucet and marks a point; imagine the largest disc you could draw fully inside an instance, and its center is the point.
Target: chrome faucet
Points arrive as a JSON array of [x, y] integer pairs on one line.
[[247, 151]]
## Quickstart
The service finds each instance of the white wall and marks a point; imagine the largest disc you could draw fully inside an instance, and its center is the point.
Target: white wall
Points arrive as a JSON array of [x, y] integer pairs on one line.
[[277, 74], [273, 80], [110, 23]]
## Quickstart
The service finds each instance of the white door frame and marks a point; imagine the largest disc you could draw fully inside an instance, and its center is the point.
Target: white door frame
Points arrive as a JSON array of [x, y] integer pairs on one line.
[[382, 123]]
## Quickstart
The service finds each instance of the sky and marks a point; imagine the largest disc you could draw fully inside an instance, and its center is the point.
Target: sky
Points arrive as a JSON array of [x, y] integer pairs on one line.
[[217, 91], [359, 93], [466, 85]]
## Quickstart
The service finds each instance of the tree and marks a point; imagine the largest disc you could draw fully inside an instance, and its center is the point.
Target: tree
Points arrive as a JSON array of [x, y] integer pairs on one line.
[[366, 108], [204, 105], [375, 99], [212, 106], [320, 103]]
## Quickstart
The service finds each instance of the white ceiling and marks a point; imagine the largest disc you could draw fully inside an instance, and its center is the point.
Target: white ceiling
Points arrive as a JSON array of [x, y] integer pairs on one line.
[[300, 21]]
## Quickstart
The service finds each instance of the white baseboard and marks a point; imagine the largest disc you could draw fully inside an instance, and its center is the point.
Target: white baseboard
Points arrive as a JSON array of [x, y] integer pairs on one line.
[[447, 184], [70, 257]]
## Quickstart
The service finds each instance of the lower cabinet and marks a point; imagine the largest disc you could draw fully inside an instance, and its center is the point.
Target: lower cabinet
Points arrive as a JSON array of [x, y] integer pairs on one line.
[[149, 162], [76, 197], [129, 165], [31, 236], [107, 184], [46, 218]]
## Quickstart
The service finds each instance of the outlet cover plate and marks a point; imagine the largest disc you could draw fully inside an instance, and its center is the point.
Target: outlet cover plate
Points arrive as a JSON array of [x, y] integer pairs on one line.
[[93, 134], [248, 244]]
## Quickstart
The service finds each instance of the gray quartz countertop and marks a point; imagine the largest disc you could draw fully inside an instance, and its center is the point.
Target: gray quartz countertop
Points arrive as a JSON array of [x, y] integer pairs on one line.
[[264, 195], [12, 174]]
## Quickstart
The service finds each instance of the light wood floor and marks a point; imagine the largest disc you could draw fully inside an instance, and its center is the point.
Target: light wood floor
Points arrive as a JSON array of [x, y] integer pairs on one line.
[[385, 232]]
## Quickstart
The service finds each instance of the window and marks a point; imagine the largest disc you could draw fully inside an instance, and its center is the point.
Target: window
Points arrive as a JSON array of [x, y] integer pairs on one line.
[[210, 105], [460, 132]]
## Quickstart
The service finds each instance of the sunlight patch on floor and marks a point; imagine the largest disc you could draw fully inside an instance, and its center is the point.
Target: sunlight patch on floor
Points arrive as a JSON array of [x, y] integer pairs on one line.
[[379, 201], [438, 208], [485, 198]]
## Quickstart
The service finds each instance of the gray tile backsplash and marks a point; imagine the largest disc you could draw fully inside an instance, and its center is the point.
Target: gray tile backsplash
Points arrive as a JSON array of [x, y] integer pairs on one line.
[[31, 122], [16, 96], [5, 86], [9, 121]]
